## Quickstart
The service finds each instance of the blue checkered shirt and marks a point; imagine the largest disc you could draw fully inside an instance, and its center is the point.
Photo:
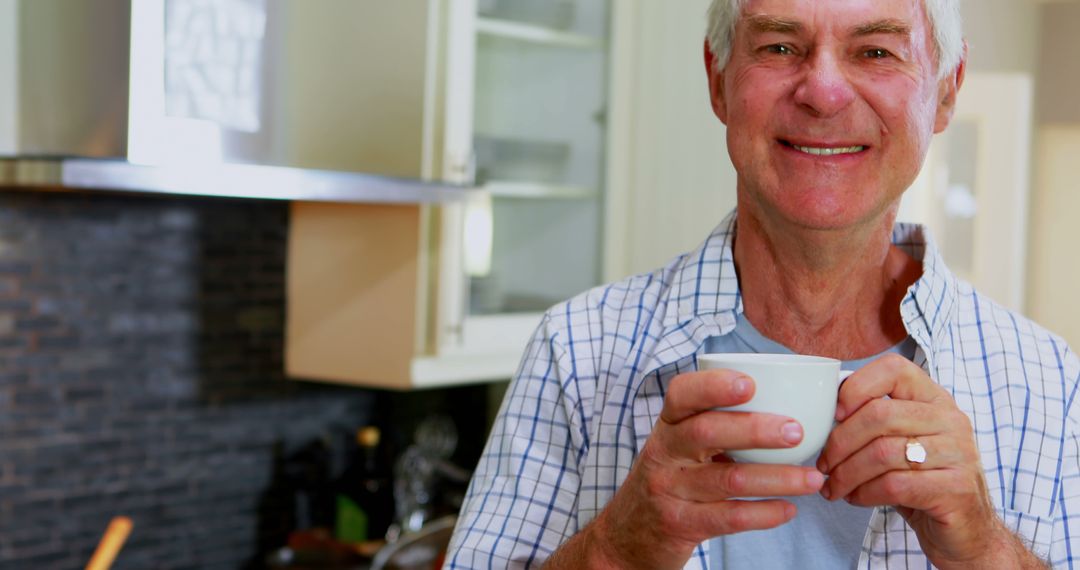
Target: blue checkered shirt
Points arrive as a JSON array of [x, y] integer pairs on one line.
[[591, 386]]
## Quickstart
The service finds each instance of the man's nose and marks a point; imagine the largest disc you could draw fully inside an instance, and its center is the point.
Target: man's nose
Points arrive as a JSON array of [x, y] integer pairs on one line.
[[825, 89]]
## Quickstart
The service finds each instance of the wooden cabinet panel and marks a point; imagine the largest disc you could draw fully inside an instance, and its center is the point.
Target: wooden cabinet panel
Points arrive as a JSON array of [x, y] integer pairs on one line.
[[353, 283]]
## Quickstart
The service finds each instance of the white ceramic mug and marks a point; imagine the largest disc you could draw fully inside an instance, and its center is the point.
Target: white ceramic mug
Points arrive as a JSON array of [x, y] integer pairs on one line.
[[797, 386]]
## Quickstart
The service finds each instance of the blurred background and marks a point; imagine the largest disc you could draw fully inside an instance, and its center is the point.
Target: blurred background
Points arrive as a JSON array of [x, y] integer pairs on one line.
[[266, 266]]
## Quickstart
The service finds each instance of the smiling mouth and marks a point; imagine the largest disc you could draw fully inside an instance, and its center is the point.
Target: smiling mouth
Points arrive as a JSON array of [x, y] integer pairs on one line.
[[826, 151]]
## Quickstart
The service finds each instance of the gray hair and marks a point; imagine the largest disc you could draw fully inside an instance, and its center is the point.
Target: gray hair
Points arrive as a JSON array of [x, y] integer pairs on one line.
[[944, 17]]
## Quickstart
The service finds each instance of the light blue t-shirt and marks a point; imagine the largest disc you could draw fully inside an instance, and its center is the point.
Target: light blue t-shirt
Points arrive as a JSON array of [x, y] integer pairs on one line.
[[824, 535]]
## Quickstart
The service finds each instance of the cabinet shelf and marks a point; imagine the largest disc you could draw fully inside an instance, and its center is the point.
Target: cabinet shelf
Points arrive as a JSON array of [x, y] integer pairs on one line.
[[537, 190], [536, 34], [387, 295]]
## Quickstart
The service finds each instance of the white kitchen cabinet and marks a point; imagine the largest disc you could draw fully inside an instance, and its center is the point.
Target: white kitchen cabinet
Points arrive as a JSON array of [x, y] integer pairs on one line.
[[509, 94], [973, 190]]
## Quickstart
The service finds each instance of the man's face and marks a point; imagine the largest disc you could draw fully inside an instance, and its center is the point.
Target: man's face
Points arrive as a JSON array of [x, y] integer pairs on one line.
[[830, 106]]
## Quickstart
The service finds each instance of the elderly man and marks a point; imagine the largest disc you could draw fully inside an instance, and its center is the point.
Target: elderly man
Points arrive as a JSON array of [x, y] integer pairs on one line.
[[609, 451]]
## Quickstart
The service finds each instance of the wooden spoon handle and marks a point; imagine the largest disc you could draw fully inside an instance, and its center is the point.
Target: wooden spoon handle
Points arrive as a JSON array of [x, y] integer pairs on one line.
[[115, 535]]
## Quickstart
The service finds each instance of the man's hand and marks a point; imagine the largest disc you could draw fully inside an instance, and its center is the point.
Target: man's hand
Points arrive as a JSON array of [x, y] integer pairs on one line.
[[677, 493], [944, 499]]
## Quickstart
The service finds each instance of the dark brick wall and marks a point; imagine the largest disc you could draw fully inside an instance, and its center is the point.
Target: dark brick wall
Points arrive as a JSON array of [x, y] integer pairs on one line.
[[141, 374]]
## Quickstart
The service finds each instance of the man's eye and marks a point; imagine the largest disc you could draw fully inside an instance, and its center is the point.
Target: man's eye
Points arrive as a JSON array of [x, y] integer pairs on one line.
[[779, 49], [877, 53]]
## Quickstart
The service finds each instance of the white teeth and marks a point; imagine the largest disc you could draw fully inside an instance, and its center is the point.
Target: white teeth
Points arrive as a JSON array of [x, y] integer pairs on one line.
[[828, 151]]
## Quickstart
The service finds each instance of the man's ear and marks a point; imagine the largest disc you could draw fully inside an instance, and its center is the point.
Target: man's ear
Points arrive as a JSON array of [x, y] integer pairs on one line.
[[716, 85], [947, 91]]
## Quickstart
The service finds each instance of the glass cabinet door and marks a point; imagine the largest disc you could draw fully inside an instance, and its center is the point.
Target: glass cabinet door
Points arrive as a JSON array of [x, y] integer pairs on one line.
[[534, 237]]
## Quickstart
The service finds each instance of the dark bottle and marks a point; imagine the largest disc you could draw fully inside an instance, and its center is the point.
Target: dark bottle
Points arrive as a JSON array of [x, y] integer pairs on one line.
[[364, 494]]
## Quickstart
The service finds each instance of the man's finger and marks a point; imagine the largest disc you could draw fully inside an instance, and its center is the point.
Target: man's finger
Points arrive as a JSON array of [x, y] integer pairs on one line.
[[891, 375], [936, 492], [877, 418], [711, 482], [730, 517], [886, 454], [702, 436], [694, 392]]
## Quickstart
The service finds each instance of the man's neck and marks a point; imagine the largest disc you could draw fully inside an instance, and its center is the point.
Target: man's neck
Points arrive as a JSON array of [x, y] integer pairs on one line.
[[833, 293]]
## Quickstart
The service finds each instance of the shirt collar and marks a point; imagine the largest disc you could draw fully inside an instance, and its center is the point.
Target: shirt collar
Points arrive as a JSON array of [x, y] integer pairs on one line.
[[705, 282], [705, 289], [928, 305]]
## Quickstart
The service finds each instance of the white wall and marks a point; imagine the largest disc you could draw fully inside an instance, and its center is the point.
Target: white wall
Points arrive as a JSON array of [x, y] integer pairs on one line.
[[1002, 35], [1054, 264], [1058, 67], [669, 175], [9, 69], [1053, 267]]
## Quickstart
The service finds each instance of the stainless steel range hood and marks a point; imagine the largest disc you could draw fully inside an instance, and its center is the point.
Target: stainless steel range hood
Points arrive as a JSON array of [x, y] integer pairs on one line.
[[335, 100]]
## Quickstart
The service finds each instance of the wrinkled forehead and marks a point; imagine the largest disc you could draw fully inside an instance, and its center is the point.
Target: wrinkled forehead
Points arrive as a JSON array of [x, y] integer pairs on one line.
[[908, 16]]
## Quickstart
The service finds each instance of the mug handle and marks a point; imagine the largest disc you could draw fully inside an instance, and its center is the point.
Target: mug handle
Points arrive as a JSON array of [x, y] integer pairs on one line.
[[840, 382]]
